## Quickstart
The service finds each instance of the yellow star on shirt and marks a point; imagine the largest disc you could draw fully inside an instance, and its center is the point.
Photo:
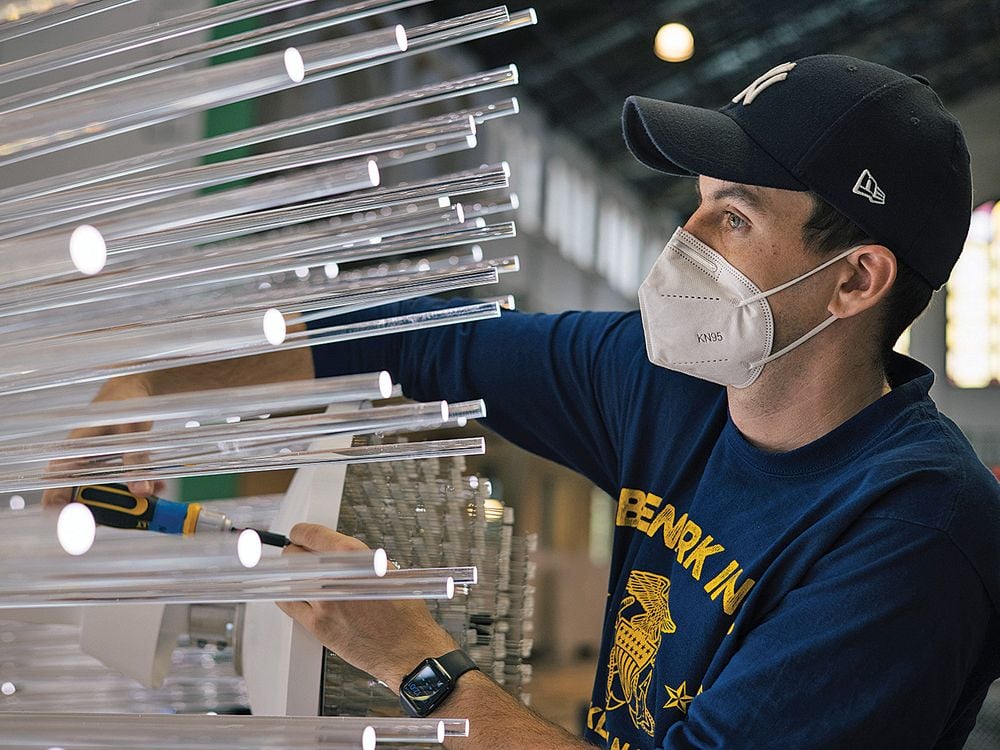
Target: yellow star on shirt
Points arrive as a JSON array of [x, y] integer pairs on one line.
[[679, 697]]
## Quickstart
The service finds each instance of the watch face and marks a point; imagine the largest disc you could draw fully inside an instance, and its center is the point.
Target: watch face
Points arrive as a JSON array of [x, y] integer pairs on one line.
[[425, 685]]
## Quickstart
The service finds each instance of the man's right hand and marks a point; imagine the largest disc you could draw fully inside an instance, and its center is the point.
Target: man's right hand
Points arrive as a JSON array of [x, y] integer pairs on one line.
[[274, 367], [130, 386]]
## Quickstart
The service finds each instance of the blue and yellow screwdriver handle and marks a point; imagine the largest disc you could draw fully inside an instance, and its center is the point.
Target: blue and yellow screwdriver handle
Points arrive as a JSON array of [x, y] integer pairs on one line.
[[114, 505]]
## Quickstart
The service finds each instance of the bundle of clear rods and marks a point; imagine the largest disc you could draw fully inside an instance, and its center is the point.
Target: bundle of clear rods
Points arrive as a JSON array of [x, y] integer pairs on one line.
[[192, 732]]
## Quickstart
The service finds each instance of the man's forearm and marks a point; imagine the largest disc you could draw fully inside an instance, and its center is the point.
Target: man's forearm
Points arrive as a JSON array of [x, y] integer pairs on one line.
[[274, 367], [498, 722]]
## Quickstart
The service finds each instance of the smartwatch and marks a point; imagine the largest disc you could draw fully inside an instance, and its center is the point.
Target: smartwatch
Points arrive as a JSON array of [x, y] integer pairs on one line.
[[427, 686]]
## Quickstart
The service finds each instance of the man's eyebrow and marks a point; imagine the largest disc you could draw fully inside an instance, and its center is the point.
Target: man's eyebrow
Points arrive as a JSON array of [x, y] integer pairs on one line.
[[746, 193]]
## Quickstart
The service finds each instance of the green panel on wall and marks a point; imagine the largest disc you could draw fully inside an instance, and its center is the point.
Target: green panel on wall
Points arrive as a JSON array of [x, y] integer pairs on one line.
[[226, 119]]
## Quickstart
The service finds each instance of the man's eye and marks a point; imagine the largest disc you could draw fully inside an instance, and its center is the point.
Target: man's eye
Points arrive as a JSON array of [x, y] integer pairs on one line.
[[734, 221]]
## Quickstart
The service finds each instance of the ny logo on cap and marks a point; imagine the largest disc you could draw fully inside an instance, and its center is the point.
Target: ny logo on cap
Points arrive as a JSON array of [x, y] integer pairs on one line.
[[866, 187], [771, 77]]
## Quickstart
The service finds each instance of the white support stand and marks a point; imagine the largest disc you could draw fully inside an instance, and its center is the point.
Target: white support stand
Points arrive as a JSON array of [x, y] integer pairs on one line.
[[282, 661]]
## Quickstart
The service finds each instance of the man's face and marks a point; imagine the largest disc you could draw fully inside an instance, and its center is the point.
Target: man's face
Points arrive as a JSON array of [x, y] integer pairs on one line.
[[759, 230]]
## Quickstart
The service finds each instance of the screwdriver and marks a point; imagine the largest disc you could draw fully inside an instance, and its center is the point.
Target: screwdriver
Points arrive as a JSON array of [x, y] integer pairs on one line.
[[113, 505]]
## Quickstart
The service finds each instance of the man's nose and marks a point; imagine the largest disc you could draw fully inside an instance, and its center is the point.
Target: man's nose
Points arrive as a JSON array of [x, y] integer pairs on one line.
[[697, 225]]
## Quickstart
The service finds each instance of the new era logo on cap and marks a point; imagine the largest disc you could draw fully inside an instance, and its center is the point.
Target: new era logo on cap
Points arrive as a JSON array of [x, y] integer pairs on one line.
[[866, 187]]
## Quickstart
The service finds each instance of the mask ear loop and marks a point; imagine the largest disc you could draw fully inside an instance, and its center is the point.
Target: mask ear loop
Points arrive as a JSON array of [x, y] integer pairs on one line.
[[797, 279], [800, 340], [809, 334]]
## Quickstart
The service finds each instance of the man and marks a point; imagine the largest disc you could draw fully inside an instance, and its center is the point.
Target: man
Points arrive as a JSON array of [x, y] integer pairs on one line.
[[807, 553]]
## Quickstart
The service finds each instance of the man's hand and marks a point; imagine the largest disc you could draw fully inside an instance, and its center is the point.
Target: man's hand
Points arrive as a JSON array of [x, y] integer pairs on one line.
[[132, 386], [386, 639]]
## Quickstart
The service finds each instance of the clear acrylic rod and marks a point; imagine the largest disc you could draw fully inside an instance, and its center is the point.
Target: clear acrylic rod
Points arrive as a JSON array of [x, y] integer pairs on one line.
[[339, 115], [237, 435], [85, 204], [169, 300], [158, 578], [203, 406], [211, 335], [484, 178], [452, 32], [33, 17], [131, 39], [164, 61], [296, 340], [23, 482], [197, 732], [232, 261], [62, 254], [59, 125]]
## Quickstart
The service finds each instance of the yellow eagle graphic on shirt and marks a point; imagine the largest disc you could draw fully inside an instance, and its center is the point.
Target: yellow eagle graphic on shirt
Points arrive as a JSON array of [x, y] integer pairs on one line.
[[637, 639]]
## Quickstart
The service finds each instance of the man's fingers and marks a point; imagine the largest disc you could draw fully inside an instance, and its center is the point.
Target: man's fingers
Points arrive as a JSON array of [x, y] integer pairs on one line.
[[56, 498], [318, 538], [300, 611]]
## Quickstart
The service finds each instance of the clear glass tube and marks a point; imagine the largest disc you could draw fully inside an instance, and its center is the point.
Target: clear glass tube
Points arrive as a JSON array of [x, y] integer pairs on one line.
[[175, 302], [372, 293], [491, 177], [456, 727], [222, 579], [294, 340], [189, 54], [442, 261], [237, 435], [238, 261], [59, 125], [42, 479], [31, 18], [171, 300], [449, 33], [399, 324], [197, 732], [491, 208], [206, 336], [34, 259], [229, 262], [339, 115], [60, 209], [201, 406], [309, 184], [209, 336], [463, 576], [131, 39]]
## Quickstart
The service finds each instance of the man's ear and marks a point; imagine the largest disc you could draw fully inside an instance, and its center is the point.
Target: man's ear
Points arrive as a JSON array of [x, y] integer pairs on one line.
[[864, 280]]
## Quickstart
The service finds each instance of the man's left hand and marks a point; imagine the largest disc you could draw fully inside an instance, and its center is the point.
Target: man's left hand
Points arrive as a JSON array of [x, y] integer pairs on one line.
[[386, 639]]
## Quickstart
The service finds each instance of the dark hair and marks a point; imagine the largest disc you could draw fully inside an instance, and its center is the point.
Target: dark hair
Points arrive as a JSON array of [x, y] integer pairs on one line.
[[828, 231]]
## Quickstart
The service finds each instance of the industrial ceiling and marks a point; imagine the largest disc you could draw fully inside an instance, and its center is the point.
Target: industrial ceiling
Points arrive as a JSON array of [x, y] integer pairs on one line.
[[585, 56]]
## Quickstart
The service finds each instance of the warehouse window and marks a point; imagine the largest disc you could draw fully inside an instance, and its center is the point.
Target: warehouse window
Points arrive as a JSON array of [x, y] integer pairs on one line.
[[972, 303]]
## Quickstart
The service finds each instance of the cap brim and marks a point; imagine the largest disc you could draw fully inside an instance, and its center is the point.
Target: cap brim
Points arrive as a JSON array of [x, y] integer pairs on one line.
[[682, 140]]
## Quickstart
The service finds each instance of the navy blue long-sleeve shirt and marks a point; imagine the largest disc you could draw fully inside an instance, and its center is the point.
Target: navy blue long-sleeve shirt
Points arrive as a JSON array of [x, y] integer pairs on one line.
[[841, 595]]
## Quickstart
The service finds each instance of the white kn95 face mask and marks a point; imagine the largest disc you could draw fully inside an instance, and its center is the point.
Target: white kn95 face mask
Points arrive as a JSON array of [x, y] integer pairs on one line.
[[703, 317]]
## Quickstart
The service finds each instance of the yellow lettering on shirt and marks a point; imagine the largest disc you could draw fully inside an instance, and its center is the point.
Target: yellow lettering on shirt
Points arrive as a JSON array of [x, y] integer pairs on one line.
[[688, 539], [731, 595], [718, 580], [649, 514], [671, 529], [696, 559], [596, 717]]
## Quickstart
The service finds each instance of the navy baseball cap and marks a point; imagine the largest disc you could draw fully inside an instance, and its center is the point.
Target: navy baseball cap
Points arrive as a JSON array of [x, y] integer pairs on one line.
[[874, 143]]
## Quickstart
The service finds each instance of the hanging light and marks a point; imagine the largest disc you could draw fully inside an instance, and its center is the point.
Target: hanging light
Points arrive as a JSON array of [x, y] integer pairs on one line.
[[674, 43]]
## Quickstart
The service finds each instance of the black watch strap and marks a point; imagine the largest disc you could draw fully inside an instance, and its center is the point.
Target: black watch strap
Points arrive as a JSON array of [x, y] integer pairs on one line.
[[432, 681], [456, 663]]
